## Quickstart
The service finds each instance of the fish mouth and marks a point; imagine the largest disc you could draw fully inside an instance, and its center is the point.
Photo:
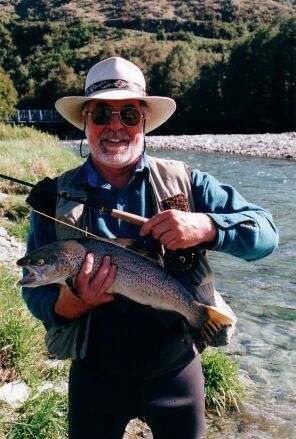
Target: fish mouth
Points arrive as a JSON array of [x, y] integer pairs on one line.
[[39, 276], [29, 279]]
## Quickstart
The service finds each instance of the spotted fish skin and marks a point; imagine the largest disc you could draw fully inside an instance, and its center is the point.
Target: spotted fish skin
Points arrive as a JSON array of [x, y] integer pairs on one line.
[[137, 277]]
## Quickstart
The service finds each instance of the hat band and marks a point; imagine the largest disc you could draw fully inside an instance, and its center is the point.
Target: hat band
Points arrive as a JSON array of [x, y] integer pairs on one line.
[[115, 83]]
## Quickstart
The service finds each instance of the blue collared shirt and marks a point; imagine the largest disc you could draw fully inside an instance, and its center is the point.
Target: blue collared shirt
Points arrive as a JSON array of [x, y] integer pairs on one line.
[[244, 230]]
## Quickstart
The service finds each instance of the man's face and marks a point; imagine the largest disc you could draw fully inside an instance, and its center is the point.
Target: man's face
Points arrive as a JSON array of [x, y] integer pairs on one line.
[[115, 144]]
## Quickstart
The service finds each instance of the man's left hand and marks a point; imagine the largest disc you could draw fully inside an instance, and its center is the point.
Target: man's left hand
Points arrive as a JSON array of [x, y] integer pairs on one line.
[[177, 229]]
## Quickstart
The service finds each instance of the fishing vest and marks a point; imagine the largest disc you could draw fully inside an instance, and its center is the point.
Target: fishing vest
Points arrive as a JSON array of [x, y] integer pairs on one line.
[[170, 183]]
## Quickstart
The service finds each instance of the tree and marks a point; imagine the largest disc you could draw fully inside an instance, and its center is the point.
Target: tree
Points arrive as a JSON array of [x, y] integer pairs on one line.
[[228, 11], [173, 78], [260, 87], [8, 95], [62, 81]]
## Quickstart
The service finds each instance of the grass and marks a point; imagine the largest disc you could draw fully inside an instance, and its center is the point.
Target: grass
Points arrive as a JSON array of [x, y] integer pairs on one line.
[[224, 387], [43, 417], [21, 336], [23, 357], [19, 229], [31, 155], [14, 208], [14, 215]]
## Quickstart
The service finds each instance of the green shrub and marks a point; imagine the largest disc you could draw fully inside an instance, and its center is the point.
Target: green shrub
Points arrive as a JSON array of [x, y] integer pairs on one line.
[[223, 386]]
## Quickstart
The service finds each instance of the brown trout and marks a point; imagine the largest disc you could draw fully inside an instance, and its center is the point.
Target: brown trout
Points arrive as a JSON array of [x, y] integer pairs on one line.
[[137, 278]]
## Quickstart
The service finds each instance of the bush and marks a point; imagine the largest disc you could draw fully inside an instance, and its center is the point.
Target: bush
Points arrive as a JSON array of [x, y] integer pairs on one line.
[[223, 386], [8, 96]]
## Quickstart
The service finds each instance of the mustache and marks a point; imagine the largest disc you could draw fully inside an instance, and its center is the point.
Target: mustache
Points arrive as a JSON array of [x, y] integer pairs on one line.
[[115, 135]]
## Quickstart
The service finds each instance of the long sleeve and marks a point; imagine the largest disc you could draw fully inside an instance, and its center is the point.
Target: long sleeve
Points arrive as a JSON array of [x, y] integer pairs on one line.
[[245, 230]]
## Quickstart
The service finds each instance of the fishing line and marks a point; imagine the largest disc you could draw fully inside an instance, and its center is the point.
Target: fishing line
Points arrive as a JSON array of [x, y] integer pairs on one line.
[[68, 225], [99, 238]]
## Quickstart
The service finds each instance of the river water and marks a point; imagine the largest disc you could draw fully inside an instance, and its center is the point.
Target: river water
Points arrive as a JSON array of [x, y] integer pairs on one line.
[[262, 294]]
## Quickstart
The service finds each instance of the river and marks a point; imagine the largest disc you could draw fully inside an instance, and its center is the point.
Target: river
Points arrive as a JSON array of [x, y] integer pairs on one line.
[[262, 294]]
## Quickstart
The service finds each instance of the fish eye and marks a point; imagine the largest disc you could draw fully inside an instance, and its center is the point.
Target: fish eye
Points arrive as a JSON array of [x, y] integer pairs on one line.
[[40, 262]]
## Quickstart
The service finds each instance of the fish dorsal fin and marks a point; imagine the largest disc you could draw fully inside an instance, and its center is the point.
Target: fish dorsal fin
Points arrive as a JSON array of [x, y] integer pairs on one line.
[[123, 242]]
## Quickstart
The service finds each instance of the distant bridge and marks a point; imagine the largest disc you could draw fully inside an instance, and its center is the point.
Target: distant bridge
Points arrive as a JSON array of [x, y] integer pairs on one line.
[[35, 117]]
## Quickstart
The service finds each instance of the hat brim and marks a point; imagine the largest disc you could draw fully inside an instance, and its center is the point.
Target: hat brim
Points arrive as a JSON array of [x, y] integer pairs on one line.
[[160, 108]]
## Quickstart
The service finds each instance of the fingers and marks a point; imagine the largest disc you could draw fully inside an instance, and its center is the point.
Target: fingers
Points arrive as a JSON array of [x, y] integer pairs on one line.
[[84, 274], [169, 228], [103, 280], [177, 229], [152, 224], [93, 287]]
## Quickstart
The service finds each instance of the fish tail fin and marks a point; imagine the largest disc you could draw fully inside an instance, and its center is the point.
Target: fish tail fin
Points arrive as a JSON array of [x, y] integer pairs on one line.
[[211, 323]]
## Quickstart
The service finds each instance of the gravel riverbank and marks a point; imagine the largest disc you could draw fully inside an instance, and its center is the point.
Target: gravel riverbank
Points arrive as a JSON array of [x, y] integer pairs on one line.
[[10, 250], [282, 146]]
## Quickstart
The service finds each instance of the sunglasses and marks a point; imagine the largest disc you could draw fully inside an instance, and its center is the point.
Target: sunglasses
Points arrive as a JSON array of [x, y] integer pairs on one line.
[[102, 114]]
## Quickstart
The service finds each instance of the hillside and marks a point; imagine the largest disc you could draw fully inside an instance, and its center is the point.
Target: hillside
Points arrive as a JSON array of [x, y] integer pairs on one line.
[[229, 64], [154, 10]]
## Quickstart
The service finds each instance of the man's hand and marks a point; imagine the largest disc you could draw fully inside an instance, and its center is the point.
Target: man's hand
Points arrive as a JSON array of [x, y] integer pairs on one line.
[[92, 290], [177, 229]]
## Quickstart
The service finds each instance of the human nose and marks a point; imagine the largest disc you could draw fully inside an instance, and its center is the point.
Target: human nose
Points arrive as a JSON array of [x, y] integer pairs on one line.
[[115, 121]]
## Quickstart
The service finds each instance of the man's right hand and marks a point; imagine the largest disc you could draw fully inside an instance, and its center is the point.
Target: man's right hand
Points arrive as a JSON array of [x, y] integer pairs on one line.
[[92, 289]]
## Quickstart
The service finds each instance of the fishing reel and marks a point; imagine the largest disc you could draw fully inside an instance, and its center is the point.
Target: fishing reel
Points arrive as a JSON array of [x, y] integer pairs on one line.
[[181, 261]]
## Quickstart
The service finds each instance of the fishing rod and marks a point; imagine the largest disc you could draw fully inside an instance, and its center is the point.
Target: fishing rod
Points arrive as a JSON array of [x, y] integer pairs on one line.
[[41, 187], [176, 261]]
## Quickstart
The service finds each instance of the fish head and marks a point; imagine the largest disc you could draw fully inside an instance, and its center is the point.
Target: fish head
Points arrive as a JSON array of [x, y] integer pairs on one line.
[[49, 264]]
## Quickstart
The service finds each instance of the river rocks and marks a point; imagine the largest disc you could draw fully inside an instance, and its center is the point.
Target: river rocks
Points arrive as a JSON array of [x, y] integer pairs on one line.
[[281, 146], [14, 393], [260, 145], [10, 250]]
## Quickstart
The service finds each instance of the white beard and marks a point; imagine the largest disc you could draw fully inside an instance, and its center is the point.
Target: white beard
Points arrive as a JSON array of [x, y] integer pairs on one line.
[[117, 156]]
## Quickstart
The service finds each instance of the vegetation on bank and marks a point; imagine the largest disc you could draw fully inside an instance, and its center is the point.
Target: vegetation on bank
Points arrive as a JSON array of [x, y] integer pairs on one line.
[[30, 155], [23, 357], [22, 352], [229, 65]]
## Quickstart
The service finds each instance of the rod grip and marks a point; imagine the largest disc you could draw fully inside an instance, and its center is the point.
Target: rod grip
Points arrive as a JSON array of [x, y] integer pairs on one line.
[[129, 217]]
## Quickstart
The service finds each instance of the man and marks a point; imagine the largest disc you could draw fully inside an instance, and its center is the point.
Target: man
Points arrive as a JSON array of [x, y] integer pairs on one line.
[[138, 362]]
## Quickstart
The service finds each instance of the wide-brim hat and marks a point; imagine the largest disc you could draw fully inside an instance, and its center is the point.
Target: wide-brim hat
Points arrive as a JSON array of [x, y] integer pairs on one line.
[[116, 78]]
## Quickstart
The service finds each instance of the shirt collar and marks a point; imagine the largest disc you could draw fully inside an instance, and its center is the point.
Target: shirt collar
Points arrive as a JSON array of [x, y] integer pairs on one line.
[[93, 178]]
